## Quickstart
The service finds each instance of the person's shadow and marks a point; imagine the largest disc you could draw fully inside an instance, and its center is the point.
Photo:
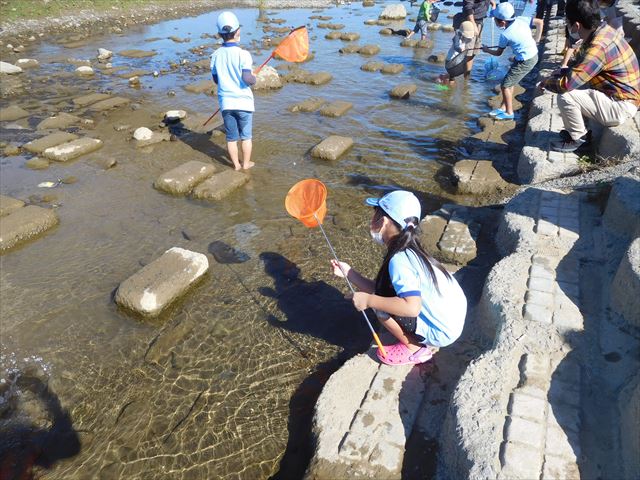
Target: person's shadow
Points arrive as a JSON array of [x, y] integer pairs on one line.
[[25, 446], [312, 308]]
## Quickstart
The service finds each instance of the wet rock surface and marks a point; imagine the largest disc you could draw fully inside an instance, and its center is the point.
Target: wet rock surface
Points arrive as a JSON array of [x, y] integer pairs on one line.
[[220, 185], [12, 113], [24, 224], [268, 79], [372, 66], [72, 150], [53, 139], [163, 281], [182, 179], [392, 68], [332, 148], [336, 109], [8, 205], [403, 91], [308, 105]]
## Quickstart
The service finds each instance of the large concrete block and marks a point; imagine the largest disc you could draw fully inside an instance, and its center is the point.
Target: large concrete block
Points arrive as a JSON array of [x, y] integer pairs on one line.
[[622, 215], [369, 50], [182, 179], [109, 104], [157, 285], [309, 105], [477, 177], [332, 148], [8, 205], [220, 185], [25, 224], [625, 289], [60, 121], [52, 140], [391, 68], [85, 100], [74, 149], [268, 79], [336, 109], [622, 142], [403, 91], [11, 113], [394, 11], [629, 408]]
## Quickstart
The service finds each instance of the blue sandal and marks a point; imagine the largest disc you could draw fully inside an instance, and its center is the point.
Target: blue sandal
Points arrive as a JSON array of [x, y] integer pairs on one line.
[[496, 112], [504, 116]]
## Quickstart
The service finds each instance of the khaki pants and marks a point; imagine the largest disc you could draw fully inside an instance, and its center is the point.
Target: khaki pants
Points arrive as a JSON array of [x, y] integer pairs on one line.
[[592, 104]]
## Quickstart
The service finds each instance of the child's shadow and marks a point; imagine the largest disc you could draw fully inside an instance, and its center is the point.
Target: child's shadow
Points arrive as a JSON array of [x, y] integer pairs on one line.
[[200, 138], [312, 308]]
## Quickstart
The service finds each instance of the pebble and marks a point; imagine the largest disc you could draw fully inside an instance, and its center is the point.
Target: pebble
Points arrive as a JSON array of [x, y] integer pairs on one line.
[[107, 163], [142, 133], [84, 70], [11, 150]]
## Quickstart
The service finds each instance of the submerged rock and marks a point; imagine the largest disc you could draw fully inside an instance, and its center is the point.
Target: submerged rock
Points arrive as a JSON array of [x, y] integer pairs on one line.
[[336, 109], [392, 68], [369, 50], [335, 35], [110, 103], [39, 145], [24, 224], [404, 90], [372, 66], [182, 179], [309, 105], [157, 285], [225, 254], [9, 204], [12, 113], [9, 69], [349, 36], [332, 148], [85, 100], [220, 185], [26, 63], [135, 53], [437, 58], [37, 163], [61, 121]]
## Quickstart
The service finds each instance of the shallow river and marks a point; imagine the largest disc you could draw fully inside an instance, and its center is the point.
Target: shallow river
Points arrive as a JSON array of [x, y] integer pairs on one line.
[[224, 382]]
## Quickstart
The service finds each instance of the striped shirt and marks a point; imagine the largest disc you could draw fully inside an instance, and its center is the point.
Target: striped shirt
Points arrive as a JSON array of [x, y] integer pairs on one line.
[[606, 63]]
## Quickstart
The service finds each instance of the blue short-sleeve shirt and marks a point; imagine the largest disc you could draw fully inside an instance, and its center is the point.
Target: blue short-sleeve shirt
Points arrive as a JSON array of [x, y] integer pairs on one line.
[[227, 63], [518, 36], [442, 315]]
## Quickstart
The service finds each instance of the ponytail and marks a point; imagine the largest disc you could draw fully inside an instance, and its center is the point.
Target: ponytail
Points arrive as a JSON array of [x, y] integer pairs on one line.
[[407, 239]]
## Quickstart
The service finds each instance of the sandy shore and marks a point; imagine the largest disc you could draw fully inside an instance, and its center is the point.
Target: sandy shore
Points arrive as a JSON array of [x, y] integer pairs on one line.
[[89, 22]]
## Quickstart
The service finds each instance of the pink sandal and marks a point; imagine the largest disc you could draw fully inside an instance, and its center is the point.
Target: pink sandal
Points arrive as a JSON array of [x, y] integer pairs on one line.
[[399, 354]]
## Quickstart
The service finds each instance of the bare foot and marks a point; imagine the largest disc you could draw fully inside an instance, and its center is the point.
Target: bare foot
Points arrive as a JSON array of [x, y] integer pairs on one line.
[[237, 167], [248, 165]]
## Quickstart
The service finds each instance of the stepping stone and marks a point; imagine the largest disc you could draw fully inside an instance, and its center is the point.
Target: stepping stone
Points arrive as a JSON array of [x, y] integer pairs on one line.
[[318, 78], [372, 66], [409, 42], [220, 185], [268, 79], [332, 148], [8, 205], [386, 31], [158, 284], [134, 73], [61, 121], [156, 137], [437, 58], [135, 53], [371, 21], [27, 63], [433, 27], [404, 90], [204, 86], [37, 163], [308, 105], [24, 224], [89, 99], [350, 49], [426, 43], [368, 3], [369, 50], [182, 179], [477, 177], [392, 68], [383, 23], [12, 113], [74, 149], [53, 139], [333, 35], [350, 37], [336, 109], [110, 104]]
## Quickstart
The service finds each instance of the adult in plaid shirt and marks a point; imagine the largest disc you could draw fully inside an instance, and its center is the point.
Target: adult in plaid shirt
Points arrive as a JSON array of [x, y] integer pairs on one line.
[[604, 81]]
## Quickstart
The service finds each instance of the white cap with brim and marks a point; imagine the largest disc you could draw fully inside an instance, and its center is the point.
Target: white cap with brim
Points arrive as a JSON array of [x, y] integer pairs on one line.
[[399, 205], [227, 23], [504, 11]]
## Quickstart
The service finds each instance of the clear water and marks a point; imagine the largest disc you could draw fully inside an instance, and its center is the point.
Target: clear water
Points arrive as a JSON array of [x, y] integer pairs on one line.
[[224, 381]]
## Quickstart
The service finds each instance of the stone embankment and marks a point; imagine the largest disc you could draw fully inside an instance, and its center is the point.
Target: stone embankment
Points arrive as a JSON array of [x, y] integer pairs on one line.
[[553, 386]]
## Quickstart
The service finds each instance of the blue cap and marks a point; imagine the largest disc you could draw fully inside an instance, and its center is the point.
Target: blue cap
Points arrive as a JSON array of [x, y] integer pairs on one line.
[[227, 22], [399, 205]]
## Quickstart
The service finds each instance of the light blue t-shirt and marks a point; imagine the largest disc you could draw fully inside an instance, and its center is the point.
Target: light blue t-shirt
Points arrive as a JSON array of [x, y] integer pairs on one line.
[[441, 317], [518, 36], [227, 63]]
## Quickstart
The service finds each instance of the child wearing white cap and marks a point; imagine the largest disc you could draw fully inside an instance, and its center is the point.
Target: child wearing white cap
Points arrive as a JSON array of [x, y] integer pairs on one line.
[[413, 295], [231, 71]]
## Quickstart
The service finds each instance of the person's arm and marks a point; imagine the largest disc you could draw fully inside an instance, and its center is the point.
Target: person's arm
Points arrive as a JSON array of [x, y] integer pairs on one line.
[[579, 74], [246, 64], [248, 77], [400, 306], [215, 78], [538, 23], [364, 284], [496, 52]]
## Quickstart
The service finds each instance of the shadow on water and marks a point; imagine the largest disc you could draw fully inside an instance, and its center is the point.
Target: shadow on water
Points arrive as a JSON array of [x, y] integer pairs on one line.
[[24, 445]]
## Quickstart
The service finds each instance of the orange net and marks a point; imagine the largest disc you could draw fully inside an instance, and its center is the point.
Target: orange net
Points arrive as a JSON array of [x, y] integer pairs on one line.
[[295, 47], [307, 201]]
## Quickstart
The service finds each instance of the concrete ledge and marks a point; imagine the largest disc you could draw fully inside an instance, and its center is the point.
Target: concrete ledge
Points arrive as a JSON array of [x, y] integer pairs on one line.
[[24, 224], [182, 179], [622, 214], [625, 289], [164, 280], [622, 142], [220, 185]]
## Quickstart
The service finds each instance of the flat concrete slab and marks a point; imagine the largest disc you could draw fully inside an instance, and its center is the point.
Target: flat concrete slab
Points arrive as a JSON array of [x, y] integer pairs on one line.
[[369, 50], [309, 105], [182, 179], [204, 86], [24, 224], [52, 140], [110, 104], [336, 109], [85, 100], [135, 53], [8, 205], [12, 113], [156, 137], [318, 78], [60, 121], [392, 68], [220, 185], [157, 285], [74, 149], [477, 177], [332, 148], [372, 66], [403, 91]]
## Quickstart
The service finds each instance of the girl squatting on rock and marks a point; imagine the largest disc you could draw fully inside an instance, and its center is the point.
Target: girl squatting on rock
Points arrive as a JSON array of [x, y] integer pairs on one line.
[[413, 296]]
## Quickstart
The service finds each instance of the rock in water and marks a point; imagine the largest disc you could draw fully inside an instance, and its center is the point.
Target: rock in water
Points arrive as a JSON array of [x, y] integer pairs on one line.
[[173, 116], [268, 79], [142, 133], [224, 253], [394, 12], [84, 70], [104, 54], [9, 69]]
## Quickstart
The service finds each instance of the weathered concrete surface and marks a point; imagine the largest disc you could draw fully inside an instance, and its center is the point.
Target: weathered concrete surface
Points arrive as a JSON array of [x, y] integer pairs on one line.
[[11, 113], [629, 406], [24, 224], [360, 431], [37, 163], [268, 79], [622, 142], [336, 109], [53, 139], [395, 11], [318, 78], [204, 86], [309, 105], [109, 104], [349, 36], [332, 148], [220, 185], [403, 91], [622, 215], [182, 179], [372, 66], [477, 177], [369, 50], [392, 68], [71, 150], [625, 289], [8, 205], [61, 121], [135, 53], [450, 234], [163, 281], [85, 100]]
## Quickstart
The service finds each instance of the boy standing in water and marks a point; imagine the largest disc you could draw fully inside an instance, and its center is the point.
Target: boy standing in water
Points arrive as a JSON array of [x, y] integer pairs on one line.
[[424, 17], [231, 71]]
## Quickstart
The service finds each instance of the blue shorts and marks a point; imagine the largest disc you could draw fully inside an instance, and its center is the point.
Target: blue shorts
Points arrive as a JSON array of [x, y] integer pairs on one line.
[[237, 123]]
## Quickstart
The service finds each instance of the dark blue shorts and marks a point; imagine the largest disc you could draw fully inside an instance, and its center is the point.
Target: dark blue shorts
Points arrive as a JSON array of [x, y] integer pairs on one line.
[[238, 124]]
